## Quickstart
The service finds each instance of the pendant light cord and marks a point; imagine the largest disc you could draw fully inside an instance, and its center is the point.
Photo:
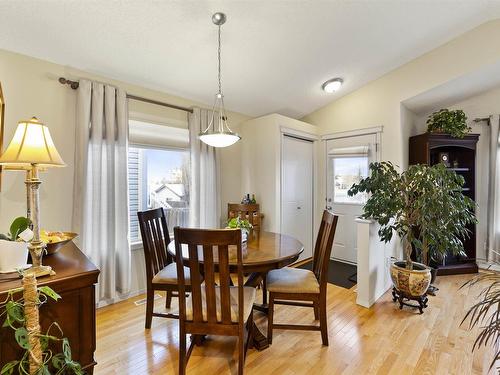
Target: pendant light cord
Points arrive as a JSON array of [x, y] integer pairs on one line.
[[219, 61], [218, 120]]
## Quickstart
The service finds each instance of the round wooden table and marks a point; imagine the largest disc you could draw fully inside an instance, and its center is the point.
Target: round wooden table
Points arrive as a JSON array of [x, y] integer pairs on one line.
[[264, 252]]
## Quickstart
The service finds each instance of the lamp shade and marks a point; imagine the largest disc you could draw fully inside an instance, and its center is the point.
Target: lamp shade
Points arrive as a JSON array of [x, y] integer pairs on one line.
[[31, 144]]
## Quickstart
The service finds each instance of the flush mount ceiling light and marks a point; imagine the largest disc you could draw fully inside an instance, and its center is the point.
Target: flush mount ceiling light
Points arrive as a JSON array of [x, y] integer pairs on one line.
[[218, 133], [332, 85]]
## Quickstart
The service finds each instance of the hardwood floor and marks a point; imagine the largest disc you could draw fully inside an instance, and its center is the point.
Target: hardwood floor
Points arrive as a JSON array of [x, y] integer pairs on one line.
[[380, 340]]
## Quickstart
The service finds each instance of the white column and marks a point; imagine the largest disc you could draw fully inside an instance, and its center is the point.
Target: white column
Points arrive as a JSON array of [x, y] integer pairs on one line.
[[373, 264]]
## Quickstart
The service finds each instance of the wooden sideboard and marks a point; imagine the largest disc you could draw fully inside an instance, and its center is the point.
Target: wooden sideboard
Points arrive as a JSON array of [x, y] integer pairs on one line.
[[75, 312]]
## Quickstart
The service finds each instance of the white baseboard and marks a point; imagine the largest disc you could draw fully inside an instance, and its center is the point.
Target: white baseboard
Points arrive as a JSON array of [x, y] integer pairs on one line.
[[120, 298], [484, 265]]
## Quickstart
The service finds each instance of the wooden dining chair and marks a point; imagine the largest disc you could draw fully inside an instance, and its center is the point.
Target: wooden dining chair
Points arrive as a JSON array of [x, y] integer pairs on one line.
[[296, 286], [161, 271], [212, 309]]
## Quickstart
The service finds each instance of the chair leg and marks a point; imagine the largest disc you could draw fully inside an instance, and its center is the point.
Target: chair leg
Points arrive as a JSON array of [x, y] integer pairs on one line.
[[168, 299], [323, 320], [150, 300], [249, 329], [270, 317], [241, 352], [316, 311], [182, 353], [264, 289]]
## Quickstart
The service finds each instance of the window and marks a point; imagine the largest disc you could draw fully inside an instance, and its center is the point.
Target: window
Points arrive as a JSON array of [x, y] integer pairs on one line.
[[158, 177], [348, 171]]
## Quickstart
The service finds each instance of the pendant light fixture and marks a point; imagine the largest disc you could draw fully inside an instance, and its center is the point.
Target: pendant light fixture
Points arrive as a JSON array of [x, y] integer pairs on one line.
[[218, 133]]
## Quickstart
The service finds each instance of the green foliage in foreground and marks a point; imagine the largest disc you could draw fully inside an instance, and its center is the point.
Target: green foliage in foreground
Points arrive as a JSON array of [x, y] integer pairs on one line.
[[12, 310]]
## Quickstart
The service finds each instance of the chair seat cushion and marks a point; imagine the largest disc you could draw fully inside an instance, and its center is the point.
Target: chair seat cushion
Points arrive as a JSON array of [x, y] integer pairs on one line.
[[248, 301], [292, 280], [168, 275]]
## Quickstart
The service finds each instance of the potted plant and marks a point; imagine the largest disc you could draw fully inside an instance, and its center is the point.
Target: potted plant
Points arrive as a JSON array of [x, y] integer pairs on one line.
[[244, 225], [13, 247], [425, 207], [22, 316], [449, 122]]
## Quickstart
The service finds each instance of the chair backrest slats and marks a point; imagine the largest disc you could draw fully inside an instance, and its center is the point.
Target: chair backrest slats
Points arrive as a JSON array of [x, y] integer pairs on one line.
[[324, 244], [208, 253], [208, 267], [195, 283], [224, 276], [155, 239], [250, 212]]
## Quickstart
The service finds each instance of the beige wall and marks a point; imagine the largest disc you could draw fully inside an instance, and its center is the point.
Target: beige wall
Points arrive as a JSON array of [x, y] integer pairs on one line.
[[379, 102], [261, 163], [31, 88]]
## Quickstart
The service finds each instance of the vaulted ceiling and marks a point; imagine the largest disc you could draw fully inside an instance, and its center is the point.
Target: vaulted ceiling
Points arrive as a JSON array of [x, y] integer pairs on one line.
[[276, 54]]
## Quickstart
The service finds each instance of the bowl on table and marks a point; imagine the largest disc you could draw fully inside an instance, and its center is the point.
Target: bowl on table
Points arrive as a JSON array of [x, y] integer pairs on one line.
[[56, 240]]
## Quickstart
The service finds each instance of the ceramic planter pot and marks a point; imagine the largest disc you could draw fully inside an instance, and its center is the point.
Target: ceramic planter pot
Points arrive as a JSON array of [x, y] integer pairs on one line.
[[413, 283], [13, 255]]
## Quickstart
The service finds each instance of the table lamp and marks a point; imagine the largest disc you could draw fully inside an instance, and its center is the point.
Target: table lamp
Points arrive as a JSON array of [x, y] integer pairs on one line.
[[32, 148]]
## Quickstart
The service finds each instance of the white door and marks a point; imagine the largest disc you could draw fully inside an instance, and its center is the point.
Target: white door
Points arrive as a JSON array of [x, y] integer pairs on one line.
[[347, 162], [297, 191]]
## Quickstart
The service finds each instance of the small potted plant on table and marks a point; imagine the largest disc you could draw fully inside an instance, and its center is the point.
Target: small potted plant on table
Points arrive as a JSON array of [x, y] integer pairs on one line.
[[244, 225], [425, 207]]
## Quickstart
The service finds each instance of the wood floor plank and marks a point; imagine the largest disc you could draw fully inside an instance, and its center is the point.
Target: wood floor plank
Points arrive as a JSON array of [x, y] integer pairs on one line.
[[379, 340]]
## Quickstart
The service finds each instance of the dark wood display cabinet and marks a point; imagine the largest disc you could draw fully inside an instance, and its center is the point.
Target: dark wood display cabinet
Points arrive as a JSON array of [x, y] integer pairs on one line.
[[458, 154]]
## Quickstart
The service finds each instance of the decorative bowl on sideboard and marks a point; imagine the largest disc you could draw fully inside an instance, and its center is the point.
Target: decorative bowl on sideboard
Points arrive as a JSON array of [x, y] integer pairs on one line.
[[56, 240]]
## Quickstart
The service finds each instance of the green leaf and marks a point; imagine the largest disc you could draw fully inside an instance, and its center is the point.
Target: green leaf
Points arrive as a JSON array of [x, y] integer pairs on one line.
[[66, 349], [58, 361], [8, 368], [43, 370], [49, 292], [18, 225], [15, 311], [21, 335]]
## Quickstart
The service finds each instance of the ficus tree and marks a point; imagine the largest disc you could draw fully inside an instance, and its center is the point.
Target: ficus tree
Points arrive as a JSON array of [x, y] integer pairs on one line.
[[423, 205]]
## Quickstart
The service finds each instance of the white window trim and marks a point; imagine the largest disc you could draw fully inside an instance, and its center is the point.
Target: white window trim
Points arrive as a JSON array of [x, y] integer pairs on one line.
[[137, 245]]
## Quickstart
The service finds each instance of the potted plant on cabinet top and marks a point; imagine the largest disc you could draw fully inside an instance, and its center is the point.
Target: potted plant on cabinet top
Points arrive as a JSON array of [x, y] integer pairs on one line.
[[425, 207], [452, 122]]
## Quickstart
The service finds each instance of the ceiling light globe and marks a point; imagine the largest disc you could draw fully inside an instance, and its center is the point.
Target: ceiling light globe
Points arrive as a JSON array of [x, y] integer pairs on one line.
[[219, 139], [332, 85]]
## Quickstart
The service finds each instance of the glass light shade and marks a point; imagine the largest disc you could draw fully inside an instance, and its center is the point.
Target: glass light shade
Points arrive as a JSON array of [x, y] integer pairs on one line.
[[332, 85], [31, 144], [220, 139]]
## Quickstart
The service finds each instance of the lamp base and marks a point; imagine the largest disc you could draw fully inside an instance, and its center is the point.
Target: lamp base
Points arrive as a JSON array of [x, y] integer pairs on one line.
[[40, 271]]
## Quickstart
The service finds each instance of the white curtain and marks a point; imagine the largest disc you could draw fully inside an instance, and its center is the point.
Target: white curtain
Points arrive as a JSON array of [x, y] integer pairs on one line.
[[204, 189], [100, 210], [493, 231]]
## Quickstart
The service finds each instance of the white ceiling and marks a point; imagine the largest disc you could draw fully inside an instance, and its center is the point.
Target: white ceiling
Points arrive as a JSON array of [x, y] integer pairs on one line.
[[276, 54]]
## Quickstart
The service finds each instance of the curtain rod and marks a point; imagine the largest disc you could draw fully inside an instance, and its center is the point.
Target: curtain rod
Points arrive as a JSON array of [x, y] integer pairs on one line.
[[74, 85], [487, 119]]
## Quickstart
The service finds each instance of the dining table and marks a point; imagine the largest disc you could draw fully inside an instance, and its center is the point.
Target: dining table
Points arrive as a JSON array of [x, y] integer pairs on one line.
[[262, 252]]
